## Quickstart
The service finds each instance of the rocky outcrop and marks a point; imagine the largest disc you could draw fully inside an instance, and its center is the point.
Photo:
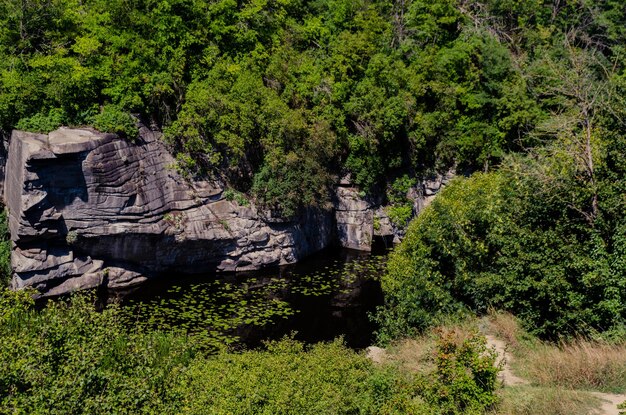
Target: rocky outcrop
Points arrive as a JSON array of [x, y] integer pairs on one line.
[[354, 218], [426, 192], [89, 209], [359, 221]]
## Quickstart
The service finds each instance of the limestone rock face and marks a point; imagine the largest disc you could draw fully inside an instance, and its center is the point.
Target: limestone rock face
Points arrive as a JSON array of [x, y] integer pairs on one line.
[[89, 209], [358, 220], [354, 218]]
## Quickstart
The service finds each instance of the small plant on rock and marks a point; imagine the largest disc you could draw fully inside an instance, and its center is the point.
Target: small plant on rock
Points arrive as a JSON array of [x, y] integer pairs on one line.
[[71, 237], [238, 197]]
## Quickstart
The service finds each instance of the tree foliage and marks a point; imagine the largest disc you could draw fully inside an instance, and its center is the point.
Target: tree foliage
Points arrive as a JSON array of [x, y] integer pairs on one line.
[[242, 88], [280, 97], [541, 235], [518, 240]]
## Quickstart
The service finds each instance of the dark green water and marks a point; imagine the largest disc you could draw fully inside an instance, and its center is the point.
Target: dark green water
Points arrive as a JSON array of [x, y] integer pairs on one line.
[[327, 295]]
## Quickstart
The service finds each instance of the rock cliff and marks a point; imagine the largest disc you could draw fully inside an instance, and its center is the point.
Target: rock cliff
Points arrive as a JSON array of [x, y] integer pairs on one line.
[[358, 221], [87, 209]]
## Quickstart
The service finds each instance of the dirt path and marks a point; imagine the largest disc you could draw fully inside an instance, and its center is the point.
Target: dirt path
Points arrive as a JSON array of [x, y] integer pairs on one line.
[[508, 378], [376, 354], [610, 402], [503, 360]]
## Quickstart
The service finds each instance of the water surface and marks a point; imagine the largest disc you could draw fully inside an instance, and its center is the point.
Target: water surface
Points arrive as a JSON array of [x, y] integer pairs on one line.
[[327, 295]]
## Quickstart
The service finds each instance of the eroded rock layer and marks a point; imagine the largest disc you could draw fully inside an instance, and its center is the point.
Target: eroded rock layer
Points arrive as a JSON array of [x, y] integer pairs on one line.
[[89, 209]]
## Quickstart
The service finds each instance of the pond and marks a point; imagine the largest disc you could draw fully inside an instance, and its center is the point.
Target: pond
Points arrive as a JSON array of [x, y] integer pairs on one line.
[[327, 295]]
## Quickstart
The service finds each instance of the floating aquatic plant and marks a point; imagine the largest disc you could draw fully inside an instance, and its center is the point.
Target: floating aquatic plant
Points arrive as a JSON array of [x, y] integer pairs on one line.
[[213, 311]]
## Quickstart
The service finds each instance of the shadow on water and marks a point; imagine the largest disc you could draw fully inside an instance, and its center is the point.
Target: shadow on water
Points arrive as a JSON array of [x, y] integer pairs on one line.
[[327, 295]]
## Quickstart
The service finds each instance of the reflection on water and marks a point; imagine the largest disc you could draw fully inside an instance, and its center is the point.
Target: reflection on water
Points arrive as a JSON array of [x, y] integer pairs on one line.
[[325, 296]]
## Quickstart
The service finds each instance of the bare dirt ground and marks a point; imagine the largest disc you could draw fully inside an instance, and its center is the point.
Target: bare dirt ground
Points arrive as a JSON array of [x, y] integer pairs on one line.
[[503, 360]]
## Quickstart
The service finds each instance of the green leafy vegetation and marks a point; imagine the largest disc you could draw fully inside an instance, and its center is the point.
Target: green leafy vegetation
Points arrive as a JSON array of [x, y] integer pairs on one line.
[[240, 198], [509, 241], [111, 119], [69, 358], [541, 234], [42, 123], [5, 249], [400, 208], [275, 97], [278, 98]]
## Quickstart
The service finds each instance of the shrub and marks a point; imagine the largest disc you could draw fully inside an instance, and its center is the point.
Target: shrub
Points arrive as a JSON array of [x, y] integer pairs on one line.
[[465, 378], [113, 119], [240, 198], [503, 240], [401, 214], [453, 368], [41, 122], [401, 208], [69, 358], [71, 238], [288, 182]]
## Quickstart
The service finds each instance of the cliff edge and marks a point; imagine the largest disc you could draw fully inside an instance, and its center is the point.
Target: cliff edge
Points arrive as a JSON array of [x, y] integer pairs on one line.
[[88, 209]]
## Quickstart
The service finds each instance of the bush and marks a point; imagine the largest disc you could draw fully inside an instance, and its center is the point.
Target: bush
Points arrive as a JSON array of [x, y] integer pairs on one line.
[[286, 379], [112, 119], [400, 210], [508, 241], [68, 358], [42, 123], [287, 183], [465, 378], [233, 195]]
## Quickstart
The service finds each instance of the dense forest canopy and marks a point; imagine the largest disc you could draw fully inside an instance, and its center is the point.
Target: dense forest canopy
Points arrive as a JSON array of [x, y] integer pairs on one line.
[[277, 96]]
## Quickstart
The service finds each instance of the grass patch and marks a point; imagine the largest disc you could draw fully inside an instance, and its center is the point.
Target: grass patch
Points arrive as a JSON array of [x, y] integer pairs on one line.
[[581, 363], [416, 355], [412, 355], [532, 400]]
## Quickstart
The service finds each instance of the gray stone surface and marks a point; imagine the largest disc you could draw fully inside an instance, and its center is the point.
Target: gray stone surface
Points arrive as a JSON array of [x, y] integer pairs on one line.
[[426, 192], [89, 209], [354, 219], [359, 220], [383, 226]]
